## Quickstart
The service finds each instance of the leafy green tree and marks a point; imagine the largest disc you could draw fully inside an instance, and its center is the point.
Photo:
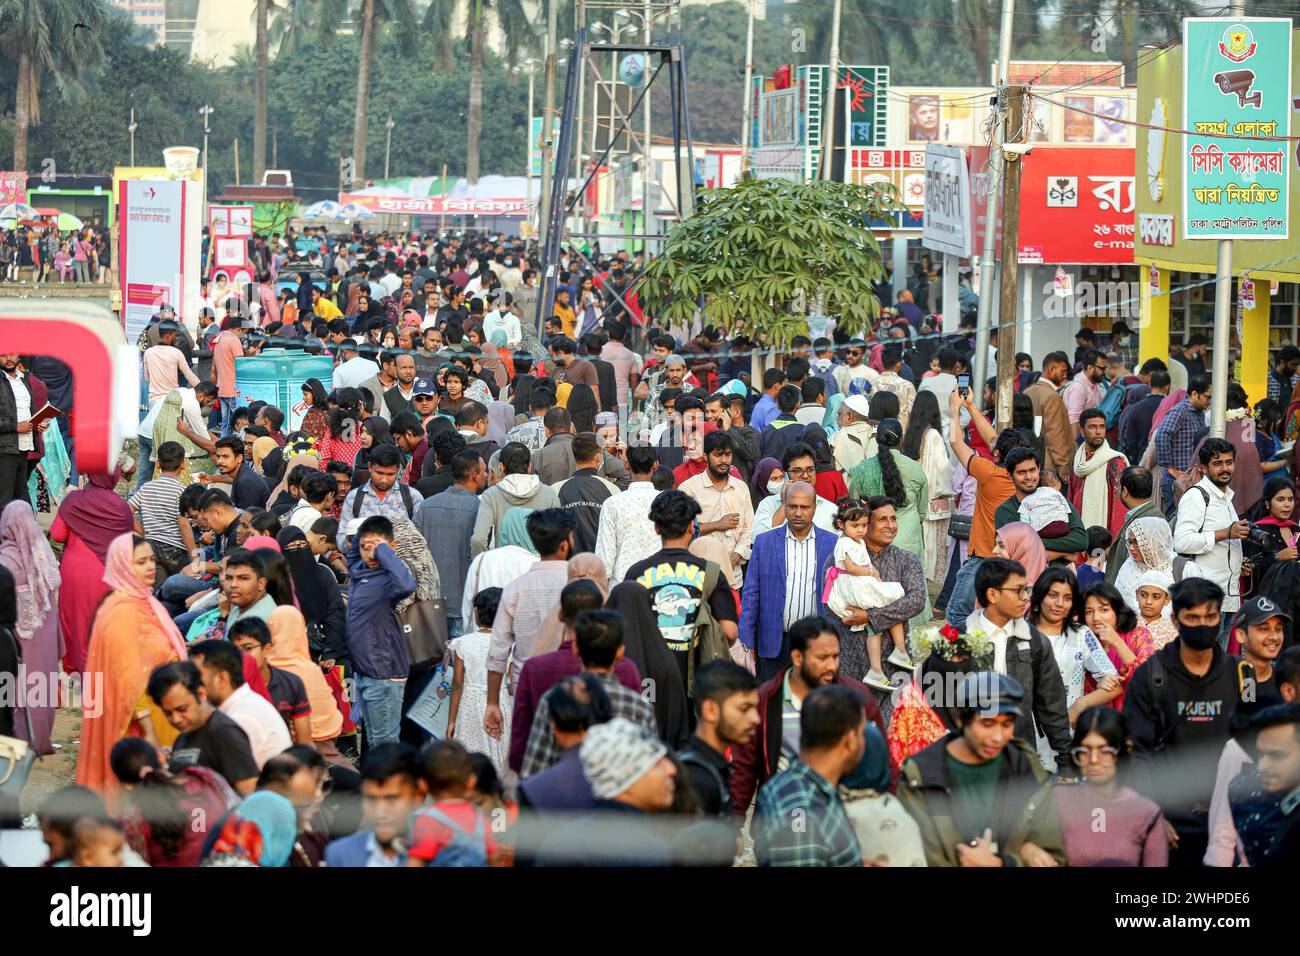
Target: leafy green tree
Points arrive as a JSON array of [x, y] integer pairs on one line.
[[57, 37], [1134, 22], [755, 257]]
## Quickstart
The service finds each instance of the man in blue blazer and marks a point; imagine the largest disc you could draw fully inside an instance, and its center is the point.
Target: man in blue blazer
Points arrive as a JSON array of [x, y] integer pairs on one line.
[[784, 579]]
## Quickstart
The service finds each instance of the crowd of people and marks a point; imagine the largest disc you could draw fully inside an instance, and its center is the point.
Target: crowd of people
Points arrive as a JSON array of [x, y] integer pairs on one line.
[[34, 253], [599, 594]]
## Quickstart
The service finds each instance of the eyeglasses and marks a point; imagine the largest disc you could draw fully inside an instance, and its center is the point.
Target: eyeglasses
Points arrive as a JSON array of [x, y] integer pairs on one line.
[[1019, 592], [1096, 754], [802, 472], [1098, 368]]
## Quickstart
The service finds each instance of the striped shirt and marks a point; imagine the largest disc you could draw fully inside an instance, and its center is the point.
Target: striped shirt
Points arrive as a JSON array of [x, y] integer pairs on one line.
[[157, 502], [800, 577]]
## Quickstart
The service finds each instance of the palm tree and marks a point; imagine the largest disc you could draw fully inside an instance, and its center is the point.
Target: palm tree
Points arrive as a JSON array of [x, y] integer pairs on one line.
[[865, 29], [517, 30], [370, 16], [47, 36], [1135, 21], [293, 23]]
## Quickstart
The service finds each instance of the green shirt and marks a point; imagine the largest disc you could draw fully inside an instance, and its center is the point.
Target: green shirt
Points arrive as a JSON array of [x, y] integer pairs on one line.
[[975, 788]]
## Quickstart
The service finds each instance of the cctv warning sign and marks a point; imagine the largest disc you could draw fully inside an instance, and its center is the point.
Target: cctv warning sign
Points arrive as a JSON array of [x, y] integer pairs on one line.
[[1236, 106]]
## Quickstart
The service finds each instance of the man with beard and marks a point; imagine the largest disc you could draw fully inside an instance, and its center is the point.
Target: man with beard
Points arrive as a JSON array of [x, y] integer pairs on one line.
[[1179, 707], [1277, 752], [726, 506], [1023, 466], [1176, 436], [398, 399], [814, 662], [1208, 529], [1045, 395], [21, 446], [1093, 487], [1084, 390], [726, 714]]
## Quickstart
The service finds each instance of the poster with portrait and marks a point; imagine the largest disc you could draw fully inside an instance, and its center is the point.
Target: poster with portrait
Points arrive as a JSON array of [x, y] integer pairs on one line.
[[1078, 119], [1109, 125], [923, 118]]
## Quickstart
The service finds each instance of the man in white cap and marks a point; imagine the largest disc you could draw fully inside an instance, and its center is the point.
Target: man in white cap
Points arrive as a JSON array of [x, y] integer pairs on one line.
[[856, 438], [631, 778]]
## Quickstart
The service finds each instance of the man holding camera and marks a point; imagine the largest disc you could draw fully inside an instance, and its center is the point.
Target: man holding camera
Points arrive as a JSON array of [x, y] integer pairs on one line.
[[1209, 531]]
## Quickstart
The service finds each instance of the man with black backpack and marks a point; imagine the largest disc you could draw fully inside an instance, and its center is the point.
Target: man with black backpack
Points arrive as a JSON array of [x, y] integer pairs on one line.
[[383, 494], [726, 715], [1179, 707]]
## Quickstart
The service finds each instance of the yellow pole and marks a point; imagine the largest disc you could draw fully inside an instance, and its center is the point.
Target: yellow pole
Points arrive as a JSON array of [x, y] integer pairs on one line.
[[1254, 344], [1153, 319]]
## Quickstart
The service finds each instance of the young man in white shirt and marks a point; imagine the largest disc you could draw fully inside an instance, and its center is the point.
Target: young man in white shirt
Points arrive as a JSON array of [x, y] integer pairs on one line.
[[1209, 531], [353, 370], [222, 667]]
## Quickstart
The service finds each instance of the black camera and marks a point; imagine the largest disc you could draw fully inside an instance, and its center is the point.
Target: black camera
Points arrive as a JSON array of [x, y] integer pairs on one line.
[[1261, 537]]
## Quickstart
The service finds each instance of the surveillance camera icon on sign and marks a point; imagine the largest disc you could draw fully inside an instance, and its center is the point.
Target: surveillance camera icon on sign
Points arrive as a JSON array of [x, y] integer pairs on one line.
[[1240, 82]]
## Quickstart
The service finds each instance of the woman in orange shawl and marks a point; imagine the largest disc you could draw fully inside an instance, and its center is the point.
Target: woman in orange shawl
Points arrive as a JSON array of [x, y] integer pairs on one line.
[[132, 635], [289, 652]]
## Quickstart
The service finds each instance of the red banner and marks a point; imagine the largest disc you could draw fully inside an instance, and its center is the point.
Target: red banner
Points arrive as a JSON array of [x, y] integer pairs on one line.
[[436, 205], [1076, 205], [13, 187]]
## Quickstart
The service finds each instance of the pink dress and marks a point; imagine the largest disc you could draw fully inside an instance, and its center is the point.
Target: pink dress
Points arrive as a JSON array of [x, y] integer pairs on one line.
[[83, 588]]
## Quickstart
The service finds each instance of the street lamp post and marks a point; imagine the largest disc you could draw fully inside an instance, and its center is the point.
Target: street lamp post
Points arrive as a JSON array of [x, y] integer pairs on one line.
[[529, 66], [388, 147], [131, 129], [206, 112]]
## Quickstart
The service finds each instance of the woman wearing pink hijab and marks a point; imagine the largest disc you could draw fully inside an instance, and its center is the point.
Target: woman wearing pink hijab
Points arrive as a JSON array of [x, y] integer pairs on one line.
[[132, 635], [87, 522], [1020, 542]]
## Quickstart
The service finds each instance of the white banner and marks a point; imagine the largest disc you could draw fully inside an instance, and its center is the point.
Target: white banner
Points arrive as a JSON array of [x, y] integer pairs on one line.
[[151, 249], [947, 201]]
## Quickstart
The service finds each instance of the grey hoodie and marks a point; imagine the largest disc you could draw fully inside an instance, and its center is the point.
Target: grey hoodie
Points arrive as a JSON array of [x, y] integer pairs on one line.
[[512, 491]]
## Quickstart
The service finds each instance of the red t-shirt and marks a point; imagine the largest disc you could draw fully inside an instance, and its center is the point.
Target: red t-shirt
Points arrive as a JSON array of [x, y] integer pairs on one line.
[[429, 835]]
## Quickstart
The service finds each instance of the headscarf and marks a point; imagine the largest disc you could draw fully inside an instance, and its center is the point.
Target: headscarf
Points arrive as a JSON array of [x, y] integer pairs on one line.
[[258, 832], [255, 541], [289, 652], [302, 458], [1156, 543], [410, 546], [501, 418], [489, 363], [97, 514], [514, 530], [758, 480], [23, 549], [831, 420], [261, 448], [582, 567], [119, 575], [643, 645], [815, 438], [303, 570], [165, 428], [478, 391], [1024, 545], [872, 771]]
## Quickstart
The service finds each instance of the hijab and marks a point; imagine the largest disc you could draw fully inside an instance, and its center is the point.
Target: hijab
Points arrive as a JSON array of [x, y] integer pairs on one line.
[[255, 541], [410, 546], [304, 570], [831, 420], [1156, 543], [289, 652], [97, 514], [514, 530], [582, 567], [872, 771], [643, 644], [758, 481], [501, 418], [119, 575], [258, 832], [261, 448], [489, 363], [1024, 545], [24, 549]]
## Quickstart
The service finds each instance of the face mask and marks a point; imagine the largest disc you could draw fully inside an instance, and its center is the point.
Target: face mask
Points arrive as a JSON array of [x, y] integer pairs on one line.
[[1199, 638], [775, 485]]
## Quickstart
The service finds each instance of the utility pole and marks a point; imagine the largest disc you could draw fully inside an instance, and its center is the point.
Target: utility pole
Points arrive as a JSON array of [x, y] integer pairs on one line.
[[532, 142], [206, 112], [1011, 164], [832, 97], [746, 117], [388, 147], [131, 129], [237, 179], [647, 168], [981, 367], [548, 113]]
